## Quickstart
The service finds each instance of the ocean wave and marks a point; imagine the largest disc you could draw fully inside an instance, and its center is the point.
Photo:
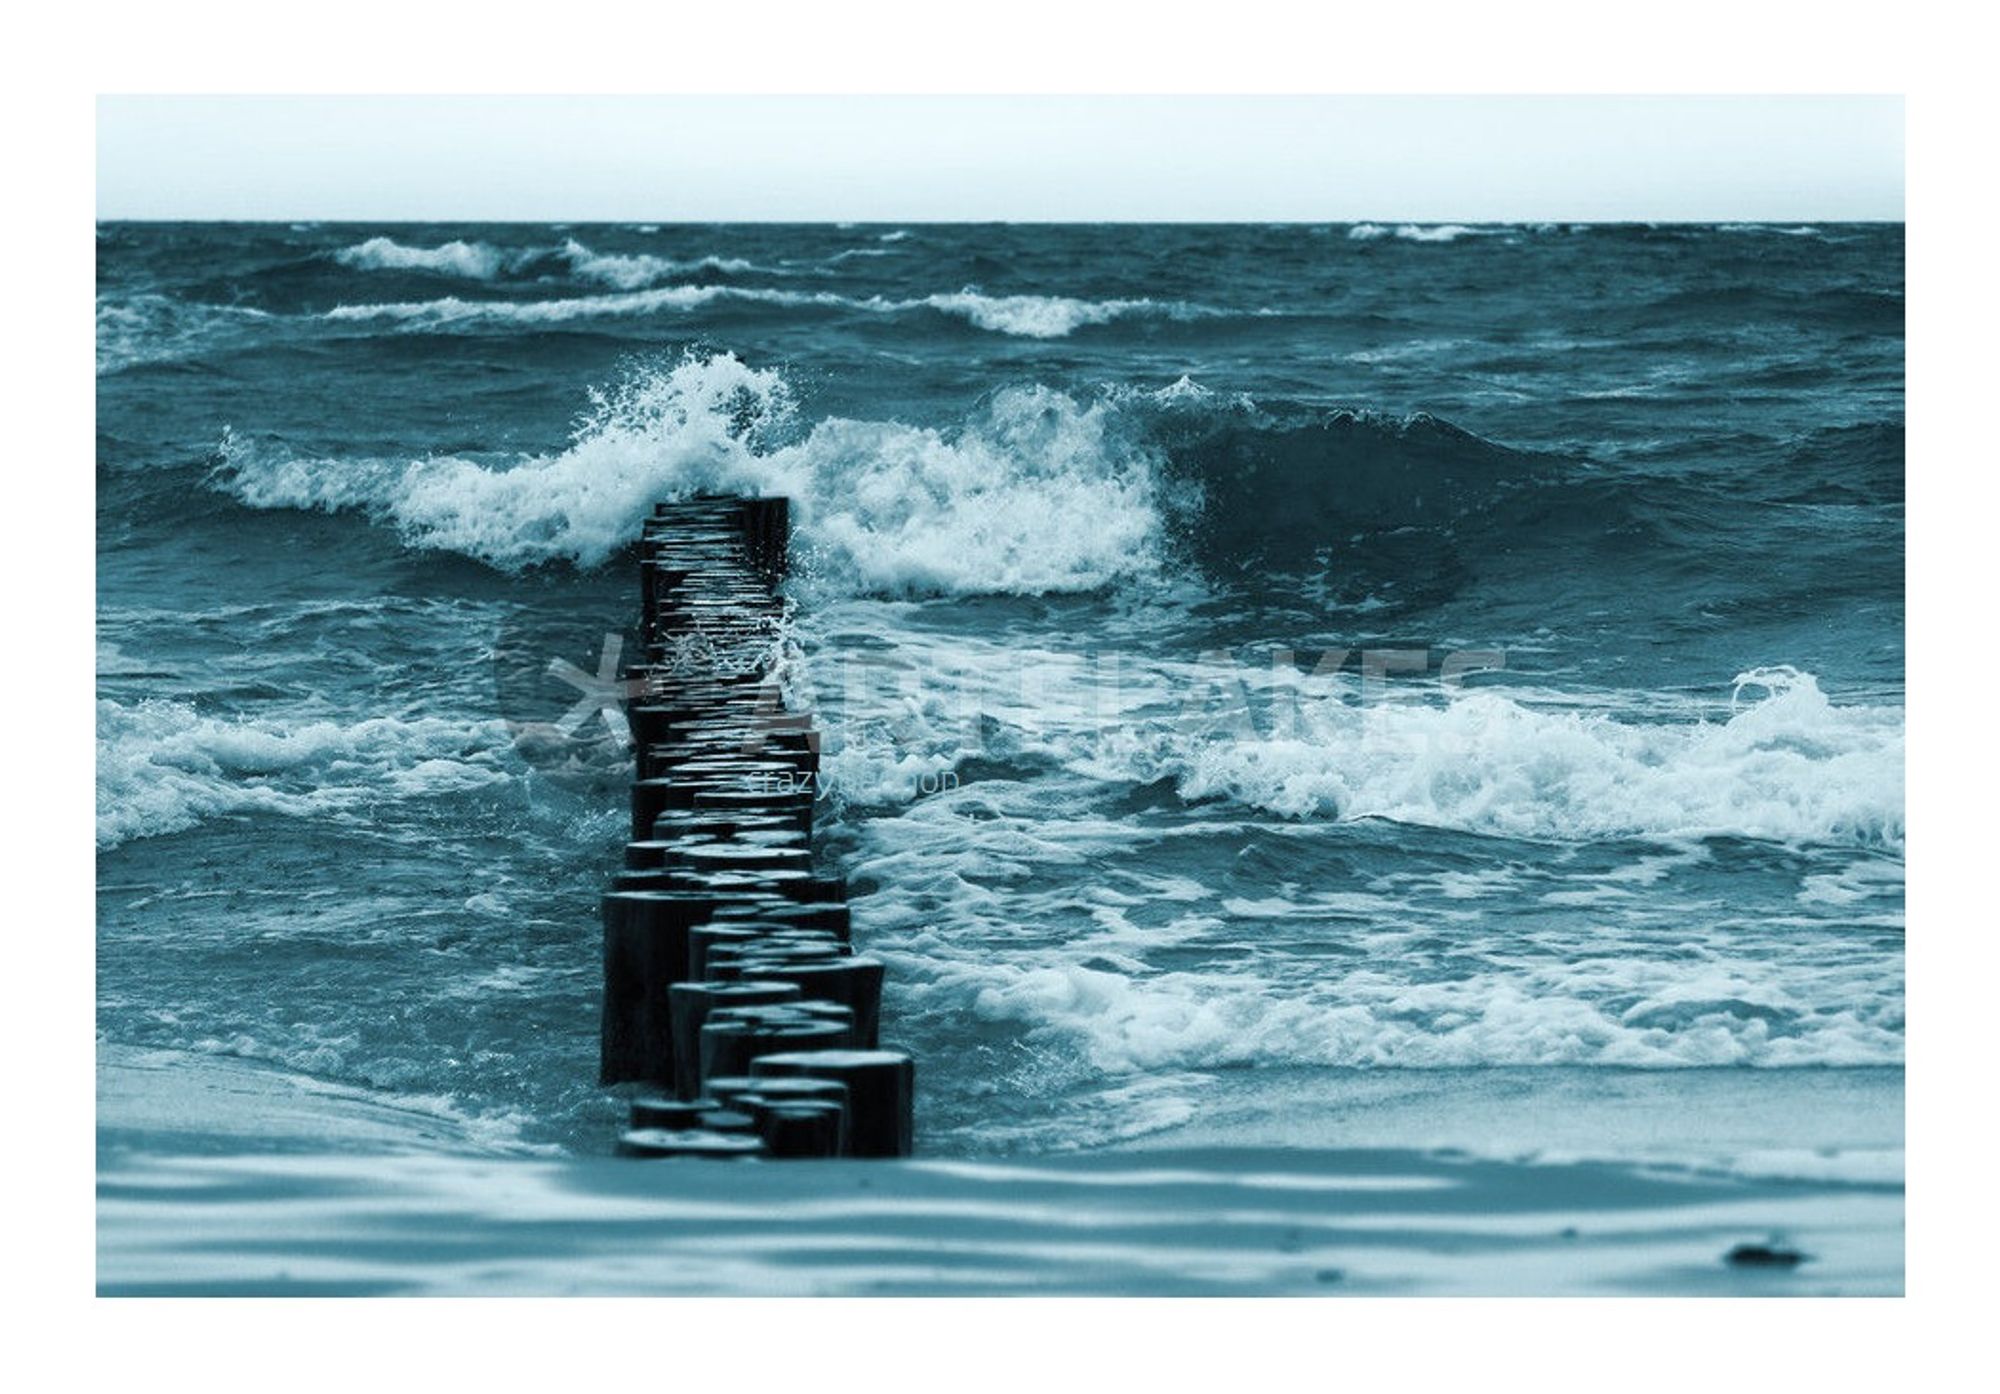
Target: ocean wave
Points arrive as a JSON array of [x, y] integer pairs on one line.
[[1119, 1023], [480, 261], [1034, 316], [1035, 493], [153, 328], [164, 767], [1026, 316], [636, 271], [1418, 232], [1769, 229], [984, 925], [1088, 1009], [1152, 964], [1284, 486], [1743, 301], [1788, 766], [1036, 490], [474, 261], [451, 309], [1784, 764]]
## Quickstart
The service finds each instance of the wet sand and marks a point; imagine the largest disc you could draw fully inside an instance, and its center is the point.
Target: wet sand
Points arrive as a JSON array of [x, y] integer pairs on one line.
[[216, 1177]]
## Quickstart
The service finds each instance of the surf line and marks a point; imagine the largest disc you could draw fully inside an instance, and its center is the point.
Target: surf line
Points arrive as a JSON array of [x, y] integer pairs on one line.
[[738, 1019]]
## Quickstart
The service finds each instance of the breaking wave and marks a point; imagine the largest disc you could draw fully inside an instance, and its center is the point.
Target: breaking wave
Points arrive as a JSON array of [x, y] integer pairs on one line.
[[1036, 492], [163, 766], [1194, 1020], [1417, 232], [1036, 489], [151, 328], [480, 261], [1036, 316], [1789, 766], [472, 260], [1783, 764], [1025, 316], [635, 271]]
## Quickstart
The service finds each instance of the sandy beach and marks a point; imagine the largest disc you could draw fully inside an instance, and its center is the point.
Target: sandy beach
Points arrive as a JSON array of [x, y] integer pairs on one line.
[[218, 1177]]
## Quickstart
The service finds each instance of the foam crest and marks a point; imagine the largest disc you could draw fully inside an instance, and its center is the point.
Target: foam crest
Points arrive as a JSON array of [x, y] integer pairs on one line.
[[474, 261], [1788, 766], [1035, 316], [1769, 229], [640, 270], [1413, 232], [655, 436], [1035, 493], [1023, 316], [153, 328], [451, 309], [1121, 1023], [163, 767]]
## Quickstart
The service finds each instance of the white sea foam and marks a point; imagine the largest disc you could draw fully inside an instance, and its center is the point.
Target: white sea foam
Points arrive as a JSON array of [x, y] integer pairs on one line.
[[163, 767], [451, 309], [1625, 1007], [1789, 767], [474, 261], [1770, 229], [1123, 1023], [479, 261], [1034, 316], [1414, 232], [1089, 996], [1026, 899], [637, 271], [1025, 316], [153, 328], [1037, 492]]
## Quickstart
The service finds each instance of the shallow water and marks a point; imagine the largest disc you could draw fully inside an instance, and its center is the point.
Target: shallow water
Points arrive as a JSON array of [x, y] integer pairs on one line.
[[1235, 1223], [219, 1176], [1342, 654]]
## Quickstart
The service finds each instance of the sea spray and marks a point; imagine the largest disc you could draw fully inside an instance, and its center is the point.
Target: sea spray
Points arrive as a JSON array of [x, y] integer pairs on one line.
[[1021, 316], [472, 260], [1791, 768], [1035, 493], [635, 271], [1782, 763], [164, 767]]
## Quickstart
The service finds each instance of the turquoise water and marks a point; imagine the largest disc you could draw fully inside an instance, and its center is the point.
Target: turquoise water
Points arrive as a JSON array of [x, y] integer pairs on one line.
[[1357, 655]]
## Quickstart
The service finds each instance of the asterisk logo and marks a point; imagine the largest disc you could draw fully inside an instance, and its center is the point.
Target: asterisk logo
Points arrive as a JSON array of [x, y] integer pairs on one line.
[[603, 691]]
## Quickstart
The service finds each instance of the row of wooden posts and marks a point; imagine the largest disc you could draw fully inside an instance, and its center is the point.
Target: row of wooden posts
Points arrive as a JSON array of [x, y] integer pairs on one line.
[[736, 1013]]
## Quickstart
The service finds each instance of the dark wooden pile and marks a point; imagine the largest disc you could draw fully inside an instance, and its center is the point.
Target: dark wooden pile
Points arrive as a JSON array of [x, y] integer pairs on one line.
[[733, 998]]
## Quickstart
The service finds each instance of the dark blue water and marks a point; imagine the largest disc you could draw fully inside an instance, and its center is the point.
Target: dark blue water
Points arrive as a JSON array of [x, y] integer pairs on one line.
[[1242, 650]]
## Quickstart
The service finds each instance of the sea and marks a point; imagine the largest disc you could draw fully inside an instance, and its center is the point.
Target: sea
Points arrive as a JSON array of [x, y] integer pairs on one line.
[[1302, 685]]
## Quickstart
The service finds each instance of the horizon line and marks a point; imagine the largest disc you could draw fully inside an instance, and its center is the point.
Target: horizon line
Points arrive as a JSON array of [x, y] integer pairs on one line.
[[1378, 221]]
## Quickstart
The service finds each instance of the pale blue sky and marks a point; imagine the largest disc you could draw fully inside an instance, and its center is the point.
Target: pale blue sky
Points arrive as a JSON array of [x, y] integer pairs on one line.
[[672, 159]]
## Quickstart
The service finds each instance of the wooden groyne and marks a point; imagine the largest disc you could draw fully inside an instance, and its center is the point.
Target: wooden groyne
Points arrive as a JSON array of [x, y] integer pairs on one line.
[[734, 1003]]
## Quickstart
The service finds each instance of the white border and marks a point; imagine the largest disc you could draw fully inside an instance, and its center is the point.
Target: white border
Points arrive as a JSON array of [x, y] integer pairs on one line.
[[60, 58]]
